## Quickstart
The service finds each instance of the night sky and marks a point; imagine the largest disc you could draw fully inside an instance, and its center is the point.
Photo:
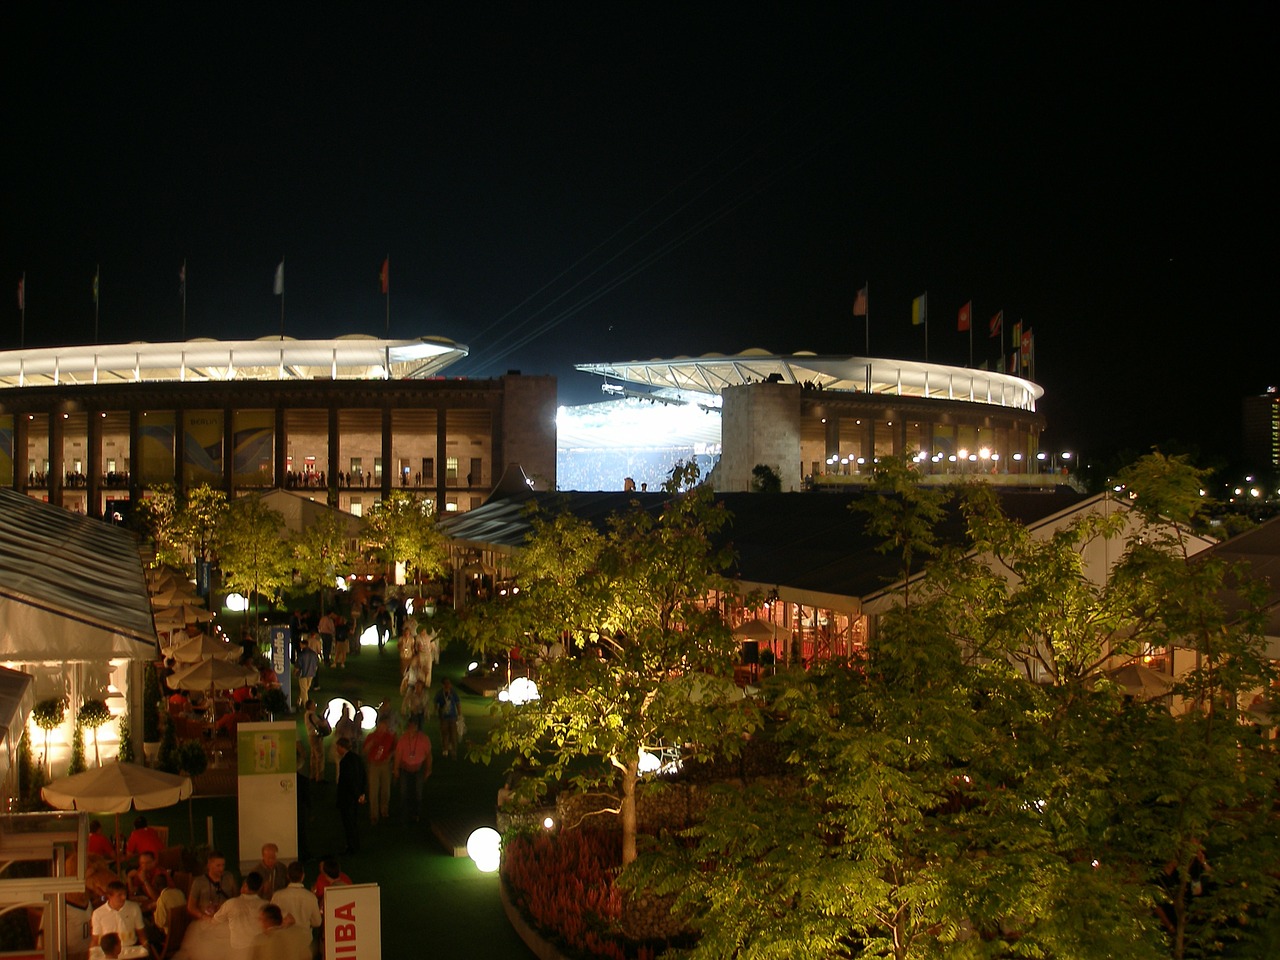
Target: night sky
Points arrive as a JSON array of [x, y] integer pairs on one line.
[[560, 184]]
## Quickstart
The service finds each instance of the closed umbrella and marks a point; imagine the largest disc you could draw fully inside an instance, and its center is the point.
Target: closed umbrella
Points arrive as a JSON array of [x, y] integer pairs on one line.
[[212, 674], [754, 630]]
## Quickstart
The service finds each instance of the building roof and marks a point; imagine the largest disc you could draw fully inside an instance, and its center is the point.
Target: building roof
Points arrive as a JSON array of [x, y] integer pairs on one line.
[[354, 357], [71, 588], [712, 372], [810, 547], [1259, 549]]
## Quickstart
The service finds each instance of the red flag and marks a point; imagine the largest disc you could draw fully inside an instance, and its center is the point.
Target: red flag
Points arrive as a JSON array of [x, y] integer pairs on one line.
[[1026, 347], [962, 322], [384, 275], [997, 324], [860, 303], [22, 294]]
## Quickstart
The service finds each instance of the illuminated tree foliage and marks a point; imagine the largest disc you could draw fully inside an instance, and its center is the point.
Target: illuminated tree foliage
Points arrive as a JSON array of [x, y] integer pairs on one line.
[[322, 552], [645, 662], [157, 518], [934, 802], [401, 529], [252, 552]]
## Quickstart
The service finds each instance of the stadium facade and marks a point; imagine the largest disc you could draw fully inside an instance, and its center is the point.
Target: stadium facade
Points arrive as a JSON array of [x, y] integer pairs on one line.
[[351, 419], [825, 419]]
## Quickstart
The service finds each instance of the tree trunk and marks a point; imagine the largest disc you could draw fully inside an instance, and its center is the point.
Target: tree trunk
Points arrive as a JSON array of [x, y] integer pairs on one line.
[[627, 814]]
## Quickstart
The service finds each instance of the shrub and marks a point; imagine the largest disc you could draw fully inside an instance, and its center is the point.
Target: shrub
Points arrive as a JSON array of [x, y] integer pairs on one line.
[[78, 764], [48, 715], [191, 759], [150, 705], [93, 714], [125, 753]]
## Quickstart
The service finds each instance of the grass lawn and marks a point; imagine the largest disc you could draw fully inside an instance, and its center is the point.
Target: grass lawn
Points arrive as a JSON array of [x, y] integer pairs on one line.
[[428, 896]]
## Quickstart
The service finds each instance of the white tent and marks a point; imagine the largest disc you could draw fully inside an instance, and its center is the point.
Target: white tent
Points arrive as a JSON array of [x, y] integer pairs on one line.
[[71, 587]]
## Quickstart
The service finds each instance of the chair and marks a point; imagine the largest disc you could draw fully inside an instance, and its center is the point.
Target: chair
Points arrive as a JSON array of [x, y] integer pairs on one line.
[[174, 931]]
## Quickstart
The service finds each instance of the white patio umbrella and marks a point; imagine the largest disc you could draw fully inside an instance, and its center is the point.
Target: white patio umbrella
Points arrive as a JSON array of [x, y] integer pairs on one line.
[[212, 674], [755, 630], [1141, 682], [117, 788], [195, 649]]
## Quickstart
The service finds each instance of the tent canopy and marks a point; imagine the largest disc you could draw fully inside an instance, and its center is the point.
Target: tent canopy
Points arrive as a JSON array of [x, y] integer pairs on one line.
[[71, 588]]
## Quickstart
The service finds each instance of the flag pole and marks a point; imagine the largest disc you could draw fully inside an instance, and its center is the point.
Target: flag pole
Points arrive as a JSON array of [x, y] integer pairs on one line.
[[387, 291], [184, 299], [971, 312], [867, 317], [925, 306], [97, 276], [22, 323]]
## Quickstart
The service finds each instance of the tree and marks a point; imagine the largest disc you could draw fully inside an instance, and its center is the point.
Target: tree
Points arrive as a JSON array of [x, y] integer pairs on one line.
[[401, 528], [157, 517], [49, 715], [252, 553], [93, 714], [201, 519], [646, 661], [764, 479], [935, 802], [322, 551]]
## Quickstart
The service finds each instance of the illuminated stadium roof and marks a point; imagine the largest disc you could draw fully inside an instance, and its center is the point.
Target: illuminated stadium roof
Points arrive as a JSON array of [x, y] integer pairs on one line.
[[713, 372], [352, 357]]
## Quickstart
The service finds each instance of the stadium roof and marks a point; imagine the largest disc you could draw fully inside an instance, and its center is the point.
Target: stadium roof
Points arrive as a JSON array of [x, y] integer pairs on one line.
[[713, 372], [352, 357]]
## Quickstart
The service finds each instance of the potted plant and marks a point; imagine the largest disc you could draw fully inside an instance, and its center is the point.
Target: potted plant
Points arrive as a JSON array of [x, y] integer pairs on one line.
[[192, 759], [125, 752], [274, 702], [78, 764], [150, 715], [48, 715], [93, 714]]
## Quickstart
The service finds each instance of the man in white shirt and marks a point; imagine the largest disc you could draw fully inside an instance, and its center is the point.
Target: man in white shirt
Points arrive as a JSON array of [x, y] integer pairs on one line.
[[119, 915], [297, 901], [241, 914]]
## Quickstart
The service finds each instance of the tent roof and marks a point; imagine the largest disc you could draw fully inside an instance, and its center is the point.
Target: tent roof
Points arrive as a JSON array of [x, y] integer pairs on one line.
[[300, 511], [15, 701], [807, 544], [71, 588]]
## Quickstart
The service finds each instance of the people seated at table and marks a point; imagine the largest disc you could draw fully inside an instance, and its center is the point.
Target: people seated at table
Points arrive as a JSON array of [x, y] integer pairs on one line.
[[240, 914], [142, 881], [143, 838], [100, 845], [296, 901], [275, 876], [110, 946], [330, 875], [211, 889]]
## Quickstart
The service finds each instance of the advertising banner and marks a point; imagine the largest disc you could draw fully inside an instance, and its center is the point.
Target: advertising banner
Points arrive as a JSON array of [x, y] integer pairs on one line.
[[267, 764], [353, 922]]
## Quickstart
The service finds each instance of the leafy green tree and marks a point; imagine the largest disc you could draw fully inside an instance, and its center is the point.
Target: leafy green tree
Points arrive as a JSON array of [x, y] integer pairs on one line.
[[157, 517], [201, 519], [646, 663], [321, 552], [401, 529], [93, 714], [252, 552], [49, 715], [933, 802]]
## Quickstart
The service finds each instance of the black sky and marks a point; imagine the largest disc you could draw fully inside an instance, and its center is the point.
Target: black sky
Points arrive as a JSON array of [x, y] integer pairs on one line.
[[558, 184]]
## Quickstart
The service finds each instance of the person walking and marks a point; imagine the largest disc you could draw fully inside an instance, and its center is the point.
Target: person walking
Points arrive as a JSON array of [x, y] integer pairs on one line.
[[308, 667], [317, 729], [448, 709], [412, 766], [351, 793], [379, 747]]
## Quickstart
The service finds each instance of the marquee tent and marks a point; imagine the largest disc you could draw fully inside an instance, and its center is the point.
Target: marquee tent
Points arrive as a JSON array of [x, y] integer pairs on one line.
[[71, 588]]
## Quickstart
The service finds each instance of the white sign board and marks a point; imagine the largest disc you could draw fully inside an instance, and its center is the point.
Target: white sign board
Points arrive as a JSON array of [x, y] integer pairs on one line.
[[353, 922], [267, 764]]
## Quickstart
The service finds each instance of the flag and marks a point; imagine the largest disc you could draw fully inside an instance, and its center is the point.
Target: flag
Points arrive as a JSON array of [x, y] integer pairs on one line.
[[22, 294], [384, 275], [1016, 342], [96, 272], [962, 322], [920, 309], [1026, 348], [278, 287], [182, 279], [860, 302], [997, 324]]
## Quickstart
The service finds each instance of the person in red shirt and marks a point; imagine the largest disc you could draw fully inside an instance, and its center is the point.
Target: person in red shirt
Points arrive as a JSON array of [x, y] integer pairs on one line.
[[412, 767], [143, 838], [379, 747], [330, 874], [100, 844]]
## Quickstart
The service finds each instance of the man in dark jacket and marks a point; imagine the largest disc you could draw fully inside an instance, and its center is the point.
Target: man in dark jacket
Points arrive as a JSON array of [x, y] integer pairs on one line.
[[352, 787]]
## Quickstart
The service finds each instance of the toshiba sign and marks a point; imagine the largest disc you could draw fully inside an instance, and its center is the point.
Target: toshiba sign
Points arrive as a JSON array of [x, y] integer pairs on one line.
[[353, 922]]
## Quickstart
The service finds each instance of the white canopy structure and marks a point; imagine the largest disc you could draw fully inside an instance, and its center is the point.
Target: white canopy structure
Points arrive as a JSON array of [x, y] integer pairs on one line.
[[354, 357], [71, 588]]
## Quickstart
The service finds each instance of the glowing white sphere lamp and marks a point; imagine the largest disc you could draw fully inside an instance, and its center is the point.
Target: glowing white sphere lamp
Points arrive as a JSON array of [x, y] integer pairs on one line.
[[484, 847], [237, 602]]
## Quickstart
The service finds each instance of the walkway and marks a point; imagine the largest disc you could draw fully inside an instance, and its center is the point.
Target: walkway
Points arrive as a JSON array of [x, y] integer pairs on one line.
[[428, 896]]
